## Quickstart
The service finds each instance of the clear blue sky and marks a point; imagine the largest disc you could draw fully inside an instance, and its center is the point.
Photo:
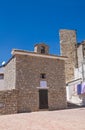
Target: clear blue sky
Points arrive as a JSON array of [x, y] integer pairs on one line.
[[24, 23]]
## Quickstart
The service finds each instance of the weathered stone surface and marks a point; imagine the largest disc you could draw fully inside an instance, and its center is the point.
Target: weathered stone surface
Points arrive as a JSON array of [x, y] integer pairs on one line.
[[22, 73], [81, 53], [69, 49], [8, 101], [10, 74], [28, 72]]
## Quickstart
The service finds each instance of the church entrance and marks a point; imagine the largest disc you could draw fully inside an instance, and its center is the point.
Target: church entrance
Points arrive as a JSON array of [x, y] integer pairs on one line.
[[43, 99]]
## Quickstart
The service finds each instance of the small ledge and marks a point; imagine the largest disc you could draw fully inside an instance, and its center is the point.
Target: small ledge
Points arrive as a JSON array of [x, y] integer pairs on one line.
[[43, 87]]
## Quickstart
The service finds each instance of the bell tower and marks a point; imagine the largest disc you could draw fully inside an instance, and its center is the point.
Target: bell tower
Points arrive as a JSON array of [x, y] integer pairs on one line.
[[68, 45], [41, 48]]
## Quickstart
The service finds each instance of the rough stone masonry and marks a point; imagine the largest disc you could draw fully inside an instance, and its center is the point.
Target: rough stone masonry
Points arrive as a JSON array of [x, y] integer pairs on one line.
[[34, 81]]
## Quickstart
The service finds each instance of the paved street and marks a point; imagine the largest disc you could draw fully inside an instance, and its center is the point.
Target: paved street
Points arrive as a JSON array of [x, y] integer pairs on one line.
[[71, 119]]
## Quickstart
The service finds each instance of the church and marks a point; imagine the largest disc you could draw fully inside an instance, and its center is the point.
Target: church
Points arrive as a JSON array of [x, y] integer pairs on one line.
[[33, 81]]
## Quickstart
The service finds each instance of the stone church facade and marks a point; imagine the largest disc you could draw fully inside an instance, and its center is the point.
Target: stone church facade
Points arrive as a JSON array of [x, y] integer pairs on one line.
[[33, 81]]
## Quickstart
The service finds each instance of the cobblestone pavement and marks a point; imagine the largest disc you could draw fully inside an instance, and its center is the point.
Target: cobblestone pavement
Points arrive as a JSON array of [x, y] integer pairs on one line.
[[71, 119]]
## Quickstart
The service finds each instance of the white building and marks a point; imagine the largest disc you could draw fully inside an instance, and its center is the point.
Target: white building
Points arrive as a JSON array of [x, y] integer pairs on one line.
[[71, 88], [2, 85]]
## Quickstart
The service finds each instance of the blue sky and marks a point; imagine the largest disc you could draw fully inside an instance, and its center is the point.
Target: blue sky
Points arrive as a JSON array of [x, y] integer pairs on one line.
[[24, 23]]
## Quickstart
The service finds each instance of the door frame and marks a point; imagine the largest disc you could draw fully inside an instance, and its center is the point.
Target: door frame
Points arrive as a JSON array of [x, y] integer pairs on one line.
[[41, 91]]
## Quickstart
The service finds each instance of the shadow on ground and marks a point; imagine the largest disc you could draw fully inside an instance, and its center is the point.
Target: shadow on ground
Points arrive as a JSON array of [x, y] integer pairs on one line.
[[72, 106]]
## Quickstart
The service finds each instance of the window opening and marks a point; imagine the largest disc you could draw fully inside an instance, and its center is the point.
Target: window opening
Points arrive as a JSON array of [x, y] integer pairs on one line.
[[43, 76], [42, 49]]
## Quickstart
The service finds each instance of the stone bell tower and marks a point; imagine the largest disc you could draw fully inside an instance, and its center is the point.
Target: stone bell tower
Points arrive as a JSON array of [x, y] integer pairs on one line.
[[41, 48], [68, 45]]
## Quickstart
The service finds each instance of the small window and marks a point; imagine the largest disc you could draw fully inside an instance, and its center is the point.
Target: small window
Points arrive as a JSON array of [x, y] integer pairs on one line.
[[42, 49], [43, 76], [1, 76]]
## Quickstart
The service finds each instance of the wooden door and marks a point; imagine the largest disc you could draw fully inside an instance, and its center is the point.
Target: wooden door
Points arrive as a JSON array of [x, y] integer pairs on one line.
[[43, 99]]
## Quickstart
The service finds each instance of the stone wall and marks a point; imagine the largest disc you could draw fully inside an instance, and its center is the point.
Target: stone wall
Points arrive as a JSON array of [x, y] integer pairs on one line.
[[57, 99], [2, 86], [10, 74], [80, 55], [69, 48], [8, 102], [28, 70], [83, 48]]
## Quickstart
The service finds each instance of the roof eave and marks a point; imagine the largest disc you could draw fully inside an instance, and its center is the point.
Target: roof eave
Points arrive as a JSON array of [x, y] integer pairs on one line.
[[16, 52]]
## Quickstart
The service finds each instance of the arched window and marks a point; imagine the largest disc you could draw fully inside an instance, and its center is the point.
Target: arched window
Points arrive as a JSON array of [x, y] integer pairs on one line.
[[42, 49]]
